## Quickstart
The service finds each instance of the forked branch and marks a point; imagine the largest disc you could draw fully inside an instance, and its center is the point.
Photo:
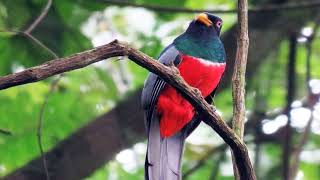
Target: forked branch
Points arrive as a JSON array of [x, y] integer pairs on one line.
[[169, 74]]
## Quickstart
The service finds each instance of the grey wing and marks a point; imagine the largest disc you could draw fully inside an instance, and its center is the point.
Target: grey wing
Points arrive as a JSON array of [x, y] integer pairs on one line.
[[154, 84], [164, 154]]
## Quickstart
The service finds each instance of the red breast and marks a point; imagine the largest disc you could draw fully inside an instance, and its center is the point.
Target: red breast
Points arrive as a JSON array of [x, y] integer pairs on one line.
[[174, 110]]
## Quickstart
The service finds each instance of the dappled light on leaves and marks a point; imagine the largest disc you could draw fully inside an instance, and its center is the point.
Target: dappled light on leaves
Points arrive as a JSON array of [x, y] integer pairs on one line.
[[85, 94]]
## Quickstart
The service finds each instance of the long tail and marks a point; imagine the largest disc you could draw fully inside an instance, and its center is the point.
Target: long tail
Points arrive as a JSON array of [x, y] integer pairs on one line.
[[163, 159]]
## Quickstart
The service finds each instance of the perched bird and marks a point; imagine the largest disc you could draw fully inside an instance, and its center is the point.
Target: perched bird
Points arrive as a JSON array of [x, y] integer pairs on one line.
[[199, 55]]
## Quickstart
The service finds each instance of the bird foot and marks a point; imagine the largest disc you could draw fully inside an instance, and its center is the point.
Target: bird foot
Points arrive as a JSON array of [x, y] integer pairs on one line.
[[174, 69], [213, 107], [197, 92]]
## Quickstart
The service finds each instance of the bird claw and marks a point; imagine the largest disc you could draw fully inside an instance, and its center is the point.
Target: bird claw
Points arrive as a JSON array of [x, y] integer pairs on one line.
[[175, 69], [197, 92], [213, 107]]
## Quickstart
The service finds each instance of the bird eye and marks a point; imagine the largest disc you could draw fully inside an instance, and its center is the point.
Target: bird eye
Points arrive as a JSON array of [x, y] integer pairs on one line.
[[218, 24]]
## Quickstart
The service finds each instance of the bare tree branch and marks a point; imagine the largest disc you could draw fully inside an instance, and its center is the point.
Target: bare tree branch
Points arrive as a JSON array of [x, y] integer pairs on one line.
[[265, 8], [5, 132], [238, 78], [169, 74]]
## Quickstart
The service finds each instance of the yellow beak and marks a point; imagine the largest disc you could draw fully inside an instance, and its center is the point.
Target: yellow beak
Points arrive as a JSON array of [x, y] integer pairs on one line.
[[203, 18]]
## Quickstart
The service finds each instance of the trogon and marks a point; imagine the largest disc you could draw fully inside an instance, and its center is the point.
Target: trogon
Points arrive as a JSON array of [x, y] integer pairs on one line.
[[199, 55]]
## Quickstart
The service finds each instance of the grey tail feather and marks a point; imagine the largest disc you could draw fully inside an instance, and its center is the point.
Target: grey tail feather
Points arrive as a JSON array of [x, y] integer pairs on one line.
[[163, 159], [164, 155]]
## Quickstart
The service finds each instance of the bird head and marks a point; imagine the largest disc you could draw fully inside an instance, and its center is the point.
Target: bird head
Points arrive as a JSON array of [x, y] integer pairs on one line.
[[205, 24], [201, 39]]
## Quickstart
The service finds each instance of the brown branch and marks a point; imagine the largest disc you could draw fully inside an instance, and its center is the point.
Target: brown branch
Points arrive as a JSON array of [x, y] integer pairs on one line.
[[238, 77], [265, 8], [42, 15], [169, 74]]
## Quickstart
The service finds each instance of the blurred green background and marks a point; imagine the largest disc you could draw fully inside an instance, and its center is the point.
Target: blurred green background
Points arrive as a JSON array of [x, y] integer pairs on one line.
[[73, 26]]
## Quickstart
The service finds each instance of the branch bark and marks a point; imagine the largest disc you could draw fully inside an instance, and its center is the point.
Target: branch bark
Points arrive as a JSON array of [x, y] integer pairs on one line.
[[169, 74], [238, 78]]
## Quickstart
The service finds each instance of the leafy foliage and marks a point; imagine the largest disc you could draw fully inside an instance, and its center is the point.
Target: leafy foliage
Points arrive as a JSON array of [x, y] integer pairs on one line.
[[84, 94]]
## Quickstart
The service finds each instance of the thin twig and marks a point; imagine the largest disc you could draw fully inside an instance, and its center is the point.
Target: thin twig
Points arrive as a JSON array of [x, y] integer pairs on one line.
[[40, 125], [40, 44], [42, 15], [34, 39], [5, 132], [265, 8]]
